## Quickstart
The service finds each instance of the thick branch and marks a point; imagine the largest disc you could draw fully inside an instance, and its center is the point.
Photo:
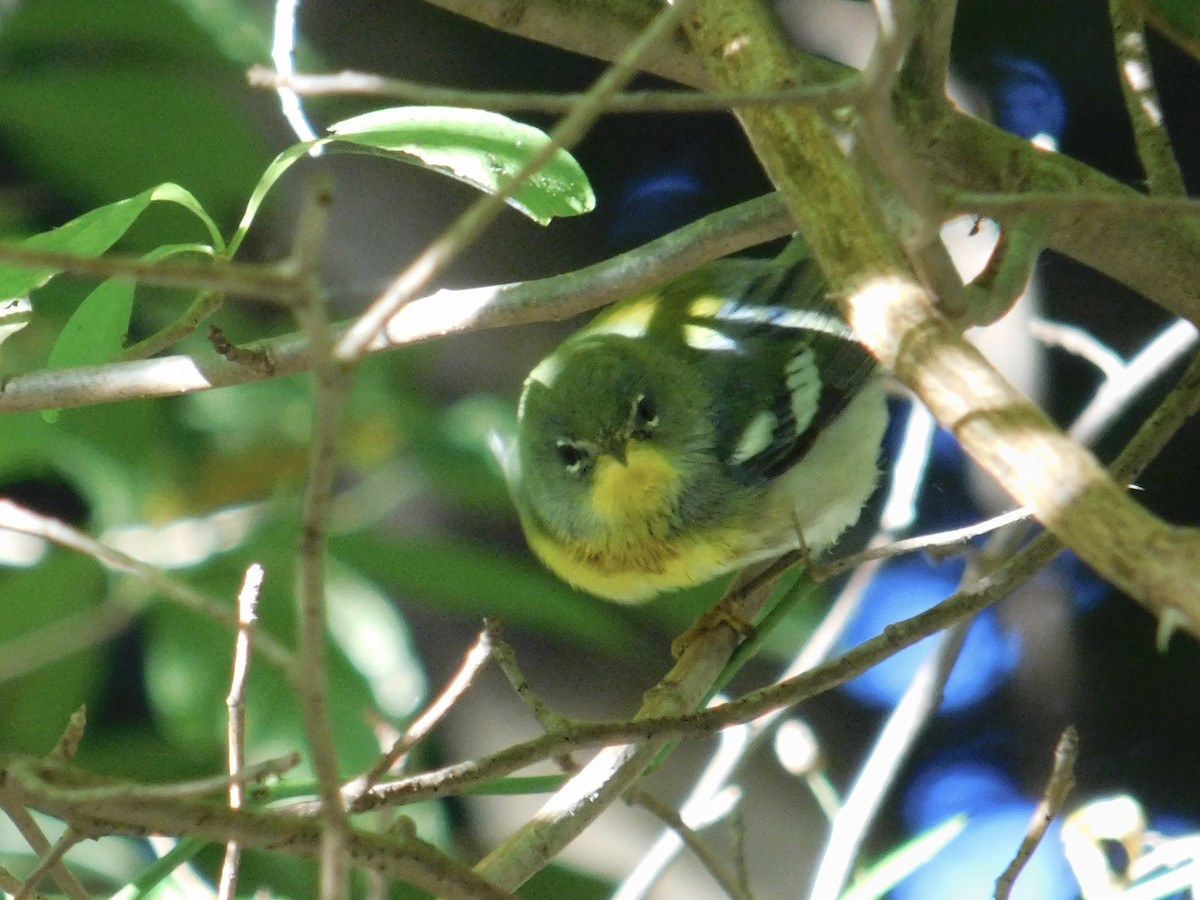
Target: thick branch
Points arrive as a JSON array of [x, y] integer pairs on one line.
[[896, 318], [1159, 259]]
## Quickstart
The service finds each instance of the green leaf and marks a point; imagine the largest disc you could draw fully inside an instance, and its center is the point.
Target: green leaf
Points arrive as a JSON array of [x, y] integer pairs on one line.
[[95, 333], [34, 707], [482, 149], [173, 193], [96, 231], [88, 235], [270, 175], [240, 31], [475, 582], [905, 859], [370, 664]]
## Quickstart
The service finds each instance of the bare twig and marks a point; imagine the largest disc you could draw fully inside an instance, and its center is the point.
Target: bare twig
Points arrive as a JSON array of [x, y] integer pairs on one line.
[[943, 543], [827, 96], [471, 224], [26, 521], [97, 806], [236, 718], [9, 882], [1161, 352], [64, 750], [994, 291], [254, 358], [331, 385], [114, 792], [206, 303], [474, 661], [38, 843], [435, 315], [888, 753], [1081, 343], [1054, 797], [1188, 43], [1163, 174], [506, 659], [49, 863], [267, 282], [920, 223], [283, 45], [728, 881]]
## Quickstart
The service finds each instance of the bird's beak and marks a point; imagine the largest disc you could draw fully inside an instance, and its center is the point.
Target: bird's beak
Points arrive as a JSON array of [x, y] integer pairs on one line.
[[618, 449]]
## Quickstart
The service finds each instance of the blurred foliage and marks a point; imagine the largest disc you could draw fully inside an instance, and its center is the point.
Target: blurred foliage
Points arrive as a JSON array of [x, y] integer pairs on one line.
[[105, 109]]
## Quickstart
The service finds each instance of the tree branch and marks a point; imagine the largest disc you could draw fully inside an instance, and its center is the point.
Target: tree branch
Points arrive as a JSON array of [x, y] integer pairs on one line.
[[1160, 259]]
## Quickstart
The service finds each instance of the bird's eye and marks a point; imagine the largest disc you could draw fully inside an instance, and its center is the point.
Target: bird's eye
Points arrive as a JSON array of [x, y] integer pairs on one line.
[[645, 416], [573, 455]]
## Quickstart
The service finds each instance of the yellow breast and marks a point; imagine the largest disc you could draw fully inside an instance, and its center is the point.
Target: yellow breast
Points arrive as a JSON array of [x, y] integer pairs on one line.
[[637, 551]]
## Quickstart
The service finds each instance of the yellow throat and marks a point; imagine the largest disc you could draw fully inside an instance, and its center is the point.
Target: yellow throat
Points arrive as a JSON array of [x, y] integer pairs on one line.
[[642, 489]]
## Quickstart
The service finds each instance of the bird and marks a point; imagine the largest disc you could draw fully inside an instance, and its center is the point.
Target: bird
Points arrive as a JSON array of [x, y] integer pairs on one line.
[[718, 420]]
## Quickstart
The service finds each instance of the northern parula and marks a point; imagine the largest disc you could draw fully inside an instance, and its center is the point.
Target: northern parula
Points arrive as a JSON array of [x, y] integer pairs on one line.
[[718, 420]]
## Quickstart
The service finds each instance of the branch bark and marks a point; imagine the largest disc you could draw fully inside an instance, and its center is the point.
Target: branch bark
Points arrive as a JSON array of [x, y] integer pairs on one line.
[[1158, 259]]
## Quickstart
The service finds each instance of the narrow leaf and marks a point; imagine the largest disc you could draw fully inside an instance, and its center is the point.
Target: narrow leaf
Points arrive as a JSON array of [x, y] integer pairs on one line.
[[173, 193], [278, 166], [482, 149], [88, 235]]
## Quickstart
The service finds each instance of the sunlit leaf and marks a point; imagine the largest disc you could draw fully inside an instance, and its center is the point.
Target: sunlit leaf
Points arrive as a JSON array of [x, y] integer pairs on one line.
[[482, 149], [270, 175], [88, 235], [173, 193], [95, 333]]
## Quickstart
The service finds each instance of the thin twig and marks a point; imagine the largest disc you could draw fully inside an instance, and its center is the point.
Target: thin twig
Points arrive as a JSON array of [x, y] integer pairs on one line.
[[331, 386], [1163, 175], [456, 778], [38, 843], [1156, 357], [827, 96], [26, 521], [49, 863], [1054, 797], [473, 662], [1048, 206], [283, 45], [27, 773], [471, 224], [727, 880], [1080, 342], [266, 282], [67, 745], [878, 771], [920, 223], [943, 543], [1005, 278], [206, 304], [435, 315], [99, 806], [506, 659], [711, 799], [9, 882], [235, 704]]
